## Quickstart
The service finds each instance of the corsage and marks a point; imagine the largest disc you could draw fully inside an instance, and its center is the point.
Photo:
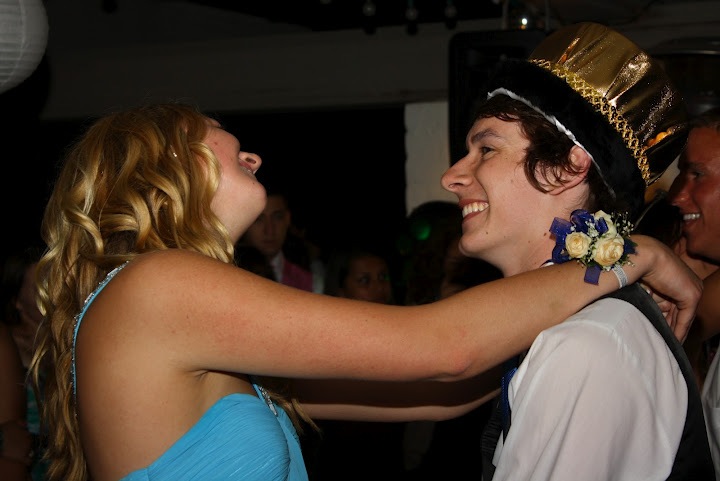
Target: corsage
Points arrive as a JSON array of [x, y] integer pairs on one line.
[[598, 241]]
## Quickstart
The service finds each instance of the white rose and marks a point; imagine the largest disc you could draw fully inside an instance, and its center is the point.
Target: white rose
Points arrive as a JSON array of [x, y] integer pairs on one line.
[[577, 244], [608, 250], [612, 230]]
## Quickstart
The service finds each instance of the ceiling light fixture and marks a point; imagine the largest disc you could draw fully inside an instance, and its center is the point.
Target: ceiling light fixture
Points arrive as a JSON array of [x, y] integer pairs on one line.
[[450, 15], [411, 15], [369, 21], [23, 38], [368, 8]]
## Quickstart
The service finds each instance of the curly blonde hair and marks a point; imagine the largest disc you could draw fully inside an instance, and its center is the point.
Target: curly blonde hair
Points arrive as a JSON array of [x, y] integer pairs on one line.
[[137, 181]]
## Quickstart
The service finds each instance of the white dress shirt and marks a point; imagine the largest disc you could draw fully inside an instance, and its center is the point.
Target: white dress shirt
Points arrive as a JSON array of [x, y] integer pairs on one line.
[[598, 397]]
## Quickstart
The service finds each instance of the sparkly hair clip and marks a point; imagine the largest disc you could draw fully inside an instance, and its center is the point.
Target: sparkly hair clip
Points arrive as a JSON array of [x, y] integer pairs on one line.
[[598, 241]]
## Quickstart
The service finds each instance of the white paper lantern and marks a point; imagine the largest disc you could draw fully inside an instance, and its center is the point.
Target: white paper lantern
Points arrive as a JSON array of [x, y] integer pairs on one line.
[[23, 38]]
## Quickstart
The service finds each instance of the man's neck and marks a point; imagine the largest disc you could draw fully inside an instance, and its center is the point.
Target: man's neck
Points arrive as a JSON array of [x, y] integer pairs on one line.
[[531, 258]]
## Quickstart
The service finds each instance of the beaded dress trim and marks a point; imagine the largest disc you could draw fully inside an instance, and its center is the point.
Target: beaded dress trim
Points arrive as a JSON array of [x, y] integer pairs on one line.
[[78, 316], [264, 394]]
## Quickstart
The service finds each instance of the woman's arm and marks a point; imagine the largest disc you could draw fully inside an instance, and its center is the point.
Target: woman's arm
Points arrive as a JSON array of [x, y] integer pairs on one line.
[[377, 401], [214, 316], [395, 401]]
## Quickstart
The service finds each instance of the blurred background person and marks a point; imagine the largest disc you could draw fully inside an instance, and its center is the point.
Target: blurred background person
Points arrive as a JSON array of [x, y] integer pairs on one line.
[[357, 450], [251, 259], [21, 319], [448, 449], [696, 194], [429, 229], [293, 261], [359, 271], [15, 439]]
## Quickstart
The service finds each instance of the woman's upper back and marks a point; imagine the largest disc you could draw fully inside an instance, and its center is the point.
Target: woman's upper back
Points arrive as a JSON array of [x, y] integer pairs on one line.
[[142, 411]]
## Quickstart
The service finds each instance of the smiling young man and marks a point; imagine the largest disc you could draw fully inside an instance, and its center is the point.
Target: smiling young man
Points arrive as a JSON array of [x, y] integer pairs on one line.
[[696, 190], [558, 160]]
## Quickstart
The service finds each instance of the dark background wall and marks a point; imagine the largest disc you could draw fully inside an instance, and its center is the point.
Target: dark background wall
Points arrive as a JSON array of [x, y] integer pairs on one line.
[[344, 168], [325, 110]]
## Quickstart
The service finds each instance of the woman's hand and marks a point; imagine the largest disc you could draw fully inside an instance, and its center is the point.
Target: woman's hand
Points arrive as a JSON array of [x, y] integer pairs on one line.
[[672, 283]]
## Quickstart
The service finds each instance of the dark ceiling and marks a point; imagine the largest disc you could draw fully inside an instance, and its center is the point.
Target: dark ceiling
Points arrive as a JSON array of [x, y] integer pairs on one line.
[[327, 15]]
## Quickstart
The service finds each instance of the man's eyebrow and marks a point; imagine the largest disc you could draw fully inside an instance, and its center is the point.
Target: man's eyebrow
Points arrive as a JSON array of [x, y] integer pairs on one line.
[[478, 136], [685, 163]]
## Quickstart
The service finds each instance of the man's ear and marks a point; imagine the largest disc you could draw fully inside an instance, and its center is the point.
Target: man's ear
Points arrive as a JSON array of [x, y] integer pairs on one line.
[[581, 163]]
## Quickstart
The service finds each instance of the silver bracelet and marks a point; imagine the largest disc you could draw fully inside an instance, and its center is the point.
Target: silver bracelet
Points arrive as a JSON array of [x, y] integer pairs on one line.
[[621, 276]]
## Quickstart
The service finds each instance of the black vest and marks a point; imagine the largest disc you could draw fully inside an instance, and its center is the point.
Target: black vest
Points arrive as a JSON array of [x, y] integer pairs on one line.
[[692, 460]]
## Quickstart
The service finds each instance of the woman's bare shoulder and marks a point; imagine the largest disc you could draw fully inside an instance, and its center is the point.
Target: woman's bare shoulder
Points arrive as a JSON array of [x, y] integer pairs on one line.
[[174, 268], [165, 299], [160, 284]]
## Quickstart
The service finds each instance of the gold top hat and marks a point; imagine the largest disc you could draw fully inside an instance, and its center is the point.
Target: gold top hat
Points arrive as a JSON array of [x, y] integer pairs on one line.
[[623, 83]]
